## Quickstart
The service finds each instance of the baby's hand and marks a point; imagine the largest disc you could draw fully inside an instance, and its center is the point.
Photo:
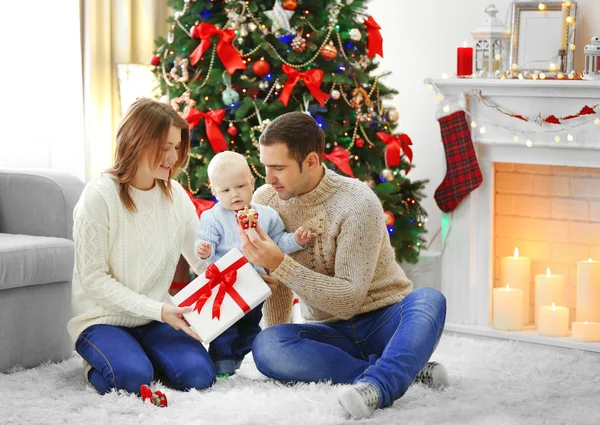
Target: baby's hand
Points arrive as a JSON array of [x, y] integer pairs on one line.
[[304, 236], [203, 250]]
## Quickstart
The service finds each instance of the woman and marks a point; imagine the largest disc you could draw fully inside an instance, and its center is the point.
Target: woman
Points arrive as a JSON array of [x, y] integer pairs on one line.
[[130, 226]]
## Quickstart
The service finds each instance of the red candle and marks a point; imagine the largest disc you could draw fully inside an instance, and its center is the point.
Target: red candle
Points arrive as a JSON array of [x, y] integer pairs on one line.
[[464, 61]]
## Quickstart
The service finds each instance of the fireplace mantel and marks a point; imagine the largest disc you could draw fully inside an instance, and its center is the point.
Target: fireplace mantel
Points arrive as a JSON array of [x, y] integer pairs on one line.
[[467, 259]]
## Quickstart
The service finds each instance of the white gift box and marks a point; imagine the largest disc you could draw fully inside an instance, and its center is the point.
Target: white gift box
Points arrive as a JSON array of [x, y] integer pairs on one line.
[[248, 288]]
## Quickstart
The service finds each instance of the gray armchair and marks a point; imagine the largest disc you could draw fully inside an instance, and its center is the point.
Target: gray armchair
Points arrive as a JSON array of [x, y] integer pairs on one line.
[[36, 265]]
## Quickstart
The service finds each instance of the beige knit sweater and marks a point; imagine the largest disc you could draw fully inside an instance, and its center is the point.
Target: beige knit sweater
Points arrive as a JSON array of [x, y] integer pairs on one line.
[[349, 268]]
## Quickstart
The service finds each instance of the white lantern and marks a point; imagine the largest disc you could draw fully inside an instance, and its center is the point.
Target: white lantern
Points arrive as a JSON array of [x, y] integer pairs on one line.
[[491, 47], [592, 60]]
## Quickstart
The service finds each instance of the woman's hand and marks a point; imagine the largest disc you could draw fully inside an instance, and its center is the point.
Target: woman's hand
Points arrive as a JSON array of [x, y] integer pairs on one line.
[[173, 316]]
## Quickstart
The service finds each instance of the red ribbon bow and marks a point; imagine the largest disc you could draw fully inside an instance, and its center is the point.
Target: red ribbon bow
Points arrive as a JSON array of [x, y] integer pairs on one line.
[[374, 39], [395, 145], [312, 80], [225, 279], [213, 120], [341, 158], [229, 56]]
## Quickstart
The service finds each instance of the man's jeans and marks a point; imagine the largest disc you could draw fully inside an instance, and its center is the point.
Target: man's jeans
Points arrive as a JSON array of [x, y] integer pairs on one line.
[[386, 347], [229, 349], [124, 358]]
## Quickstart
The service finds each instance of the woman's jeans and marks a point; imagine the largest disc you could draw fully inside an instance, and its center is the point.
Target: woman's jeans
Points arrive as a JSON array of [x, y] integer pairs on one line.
[[125, 358], [386, 348]]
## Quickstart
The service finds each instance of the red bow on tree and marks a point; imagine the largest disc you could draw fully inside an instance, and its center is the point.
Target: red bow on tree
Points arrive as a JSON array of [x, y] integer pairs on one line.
[[341, 158], [200, 204], [312, 80], [213, 120], [374, 39], [396, 144], [228, 54]]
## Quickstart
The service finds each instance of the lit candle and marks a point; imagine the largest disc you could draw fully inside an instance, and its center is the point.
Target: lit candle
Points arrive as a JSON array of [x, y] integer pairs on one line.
[[588, 291], [548, 288], [464, 61], [516, 271], [554, 321], [508, 309], [586, 331]]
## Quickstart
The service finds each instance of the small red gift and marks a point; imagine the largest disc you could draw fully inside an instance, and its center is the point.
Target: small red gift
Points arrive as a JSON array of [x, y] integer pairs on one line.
[[247, 217]]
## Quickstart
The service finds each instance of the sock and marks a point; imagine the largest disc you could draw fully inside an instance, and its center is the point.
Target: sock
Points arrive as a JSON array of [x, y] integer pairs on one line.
[[433, 375], [359, 400], [462, 170]]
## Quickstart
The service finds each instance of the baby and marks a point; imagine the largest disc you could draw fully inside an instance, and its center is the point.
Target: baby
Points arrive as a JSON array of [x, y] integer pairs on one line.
[[232, 184]]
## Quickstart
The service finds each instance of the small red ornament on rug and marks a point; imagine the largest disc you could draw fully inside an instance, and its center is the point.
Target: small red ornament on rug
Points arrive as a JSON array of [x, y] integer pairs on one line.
[[158, 398]]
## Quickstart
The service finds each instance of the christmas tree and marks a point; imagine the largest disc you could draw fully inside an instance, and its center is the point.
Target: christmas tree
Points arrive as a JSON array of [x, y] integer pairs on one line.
[[229, 67]]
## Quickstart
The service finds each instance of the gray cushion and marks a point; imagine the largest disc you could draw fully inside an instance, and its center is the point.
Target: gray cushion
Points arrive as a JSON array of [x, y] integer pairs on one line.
[[34, 260]]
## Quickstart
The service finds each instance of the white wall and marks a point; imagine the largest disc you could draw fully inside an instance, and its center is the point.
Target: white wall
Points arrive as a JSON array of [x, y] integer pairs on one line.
[[420, 40]]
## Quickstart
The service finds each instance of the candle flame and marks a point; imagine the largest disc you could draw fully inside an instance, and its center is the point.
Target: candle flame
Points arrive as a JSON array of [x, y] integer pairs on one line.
[[589, 260], [553, 307], [548, 272], [465, 44], [516, 253], [585, 323], [507, 288]]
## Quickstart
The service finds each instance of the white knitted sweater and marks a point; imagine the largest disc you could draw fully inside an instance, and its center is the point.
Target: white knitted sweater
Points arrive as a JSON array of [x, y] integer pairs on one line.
[[125, 262]]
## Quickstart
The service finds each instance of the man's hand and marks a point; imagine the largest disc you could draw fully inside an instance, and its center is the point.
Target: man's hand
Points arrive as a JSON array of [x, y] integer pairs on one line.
[[203, 250], [173, 316], [273, 282], [304, 235], [259, 248]]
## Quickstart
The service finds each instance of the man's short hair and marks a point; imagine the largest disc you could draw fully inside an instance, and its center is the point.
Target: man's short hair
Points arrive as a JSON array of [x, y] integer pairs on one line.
[[300, 133]]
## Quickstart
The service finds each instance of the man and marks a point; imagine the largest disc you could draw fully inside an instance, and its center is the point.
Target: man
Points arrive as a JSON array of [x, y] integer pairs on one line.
[[365, 326]]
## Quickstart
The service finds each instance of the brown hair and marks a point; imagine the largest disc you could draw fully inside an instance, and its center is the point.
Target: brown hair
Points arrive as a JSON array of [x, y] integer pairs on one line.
[[144, 129], [299, 131]]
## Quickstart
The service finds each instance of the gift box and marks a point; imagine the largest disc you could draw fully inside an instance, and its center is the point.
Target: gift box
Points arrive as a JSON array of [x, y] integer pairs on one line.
[[223, 294]]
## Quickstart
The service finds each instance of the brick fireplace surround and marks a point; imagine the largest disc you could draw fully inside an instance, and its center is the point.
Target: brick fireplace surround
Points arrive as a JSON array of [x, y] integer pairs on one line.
[[543, 199]]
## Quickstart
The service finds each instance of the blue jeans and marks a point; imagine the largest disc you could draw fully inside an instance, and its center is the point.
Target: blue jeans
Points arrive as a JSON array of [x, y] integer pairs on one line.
[[386, 348], [229, 349], [124, 358]]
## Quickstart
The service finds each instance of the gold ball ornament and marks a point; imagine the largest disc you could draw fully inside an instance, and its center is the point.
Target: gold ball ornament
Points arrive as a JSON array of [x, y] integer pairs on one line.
[[328, 52], [393, 115], [387, 174], [335, 94], [355, 34]]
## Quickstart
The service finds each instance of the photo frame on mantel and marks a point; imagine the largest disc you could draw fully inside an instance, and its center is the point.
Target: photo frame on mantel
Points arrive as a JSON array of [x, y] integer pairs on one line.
[[541, 35]]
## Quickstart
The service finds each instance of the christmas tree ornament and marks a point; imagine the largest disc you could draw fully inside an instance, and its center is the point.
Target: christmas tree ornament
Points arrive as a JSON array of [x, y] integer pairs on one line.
[[212, 121], [229, 56], [247, 218], [155, 60], [395, 145], [340, 157], [463, 174], [158, 398], [230, 96], [392, 115], [359, 143], [263, 85], [232, 130], [195, 31], [180, 64], [328, 52], [261, 67], [387, 174], [312, 80], [389, 218], [290, 4], [355, 34], [335, 94], [299, 43], [280, 18]]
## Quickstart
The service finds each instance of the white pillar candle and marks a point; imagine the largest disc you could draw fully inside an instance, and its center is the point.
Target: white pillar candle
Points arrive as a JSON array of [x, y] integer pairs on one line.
[[588, 291], [586, 331], [549, 288], [554, 320], [508, 309], [516, 272]]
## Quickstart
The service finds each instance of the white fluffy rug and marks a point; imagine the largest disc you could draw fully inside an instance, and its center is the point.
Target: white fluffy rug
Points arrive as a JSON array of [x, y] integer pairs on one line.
[[492, 382]]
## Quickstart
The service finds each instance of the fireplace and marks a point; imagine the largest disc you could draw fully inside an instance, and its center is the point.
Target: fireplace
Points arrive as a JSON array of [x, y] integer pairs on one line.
[[540, 194]]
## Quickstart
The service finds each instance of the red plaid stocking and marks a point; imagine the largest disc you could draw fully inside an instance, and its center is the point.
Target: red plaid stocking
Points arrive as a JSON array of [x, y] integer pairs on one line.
[[462, 170]]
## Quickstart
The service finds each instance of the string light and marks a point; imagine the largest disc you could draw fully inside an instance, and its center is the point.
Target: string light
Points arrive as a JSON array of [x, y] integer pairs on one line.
[[482, 130], [557, 139], [570, 20], [516, 138], [552, 66], [597, 121], [542, 76], [529, 143], [570, 137], [446, 108], [542, 6], [473, 124]]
